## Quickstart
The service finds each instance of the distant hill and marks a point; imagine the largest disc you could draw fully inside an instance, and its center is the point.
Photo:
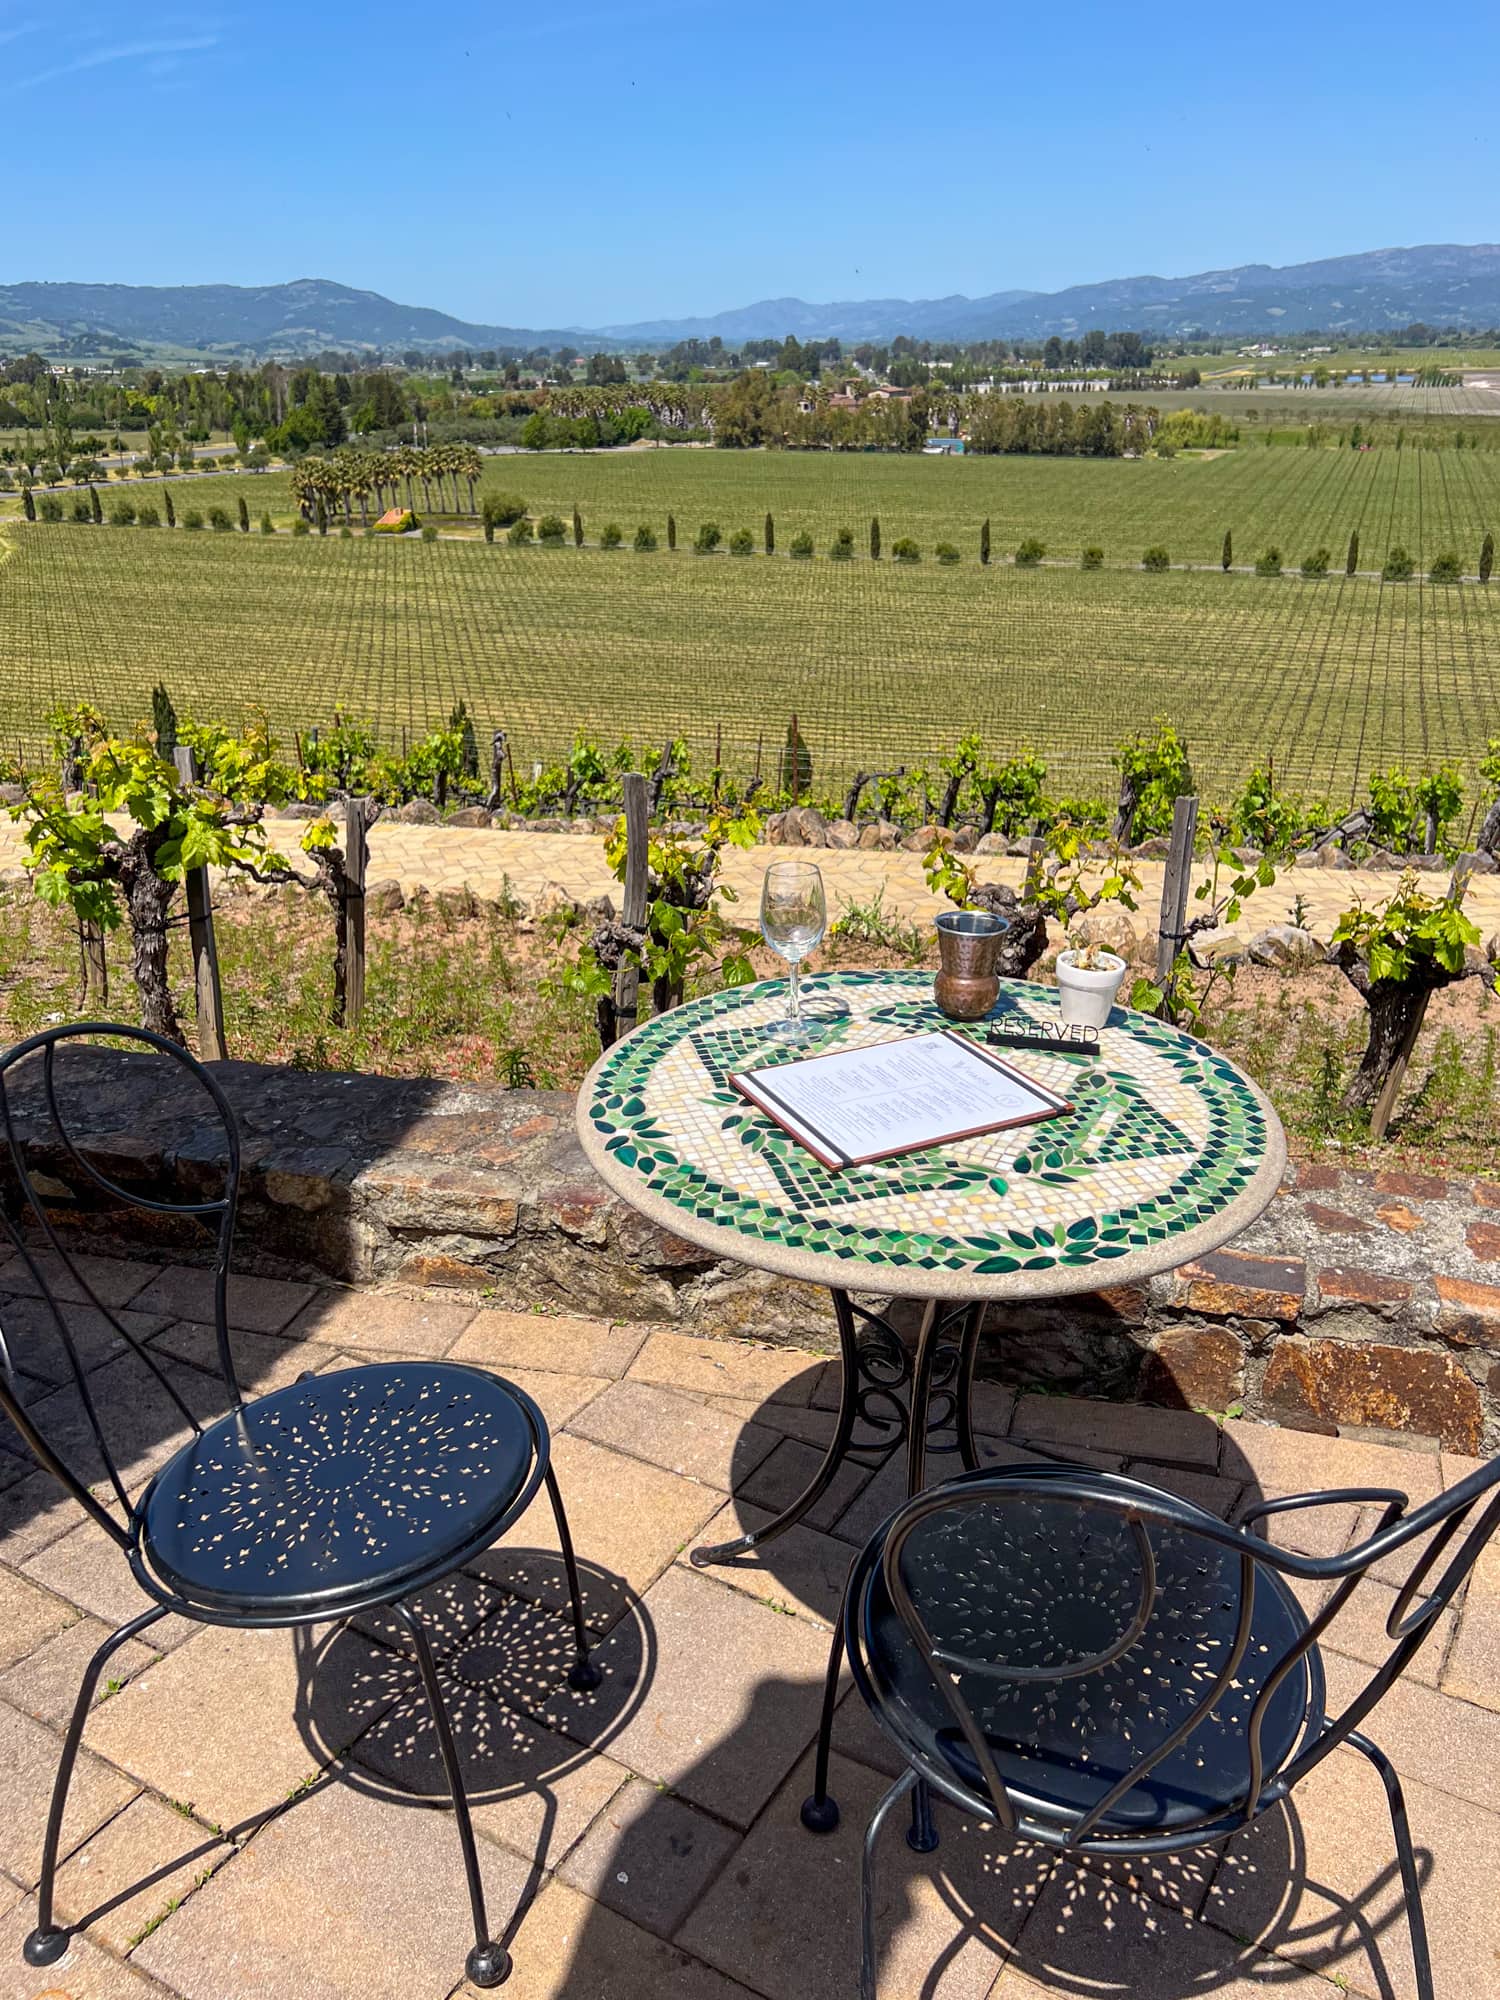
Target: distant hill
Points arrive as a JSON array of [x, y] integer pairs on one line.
[[1443, 284], [299, 318]]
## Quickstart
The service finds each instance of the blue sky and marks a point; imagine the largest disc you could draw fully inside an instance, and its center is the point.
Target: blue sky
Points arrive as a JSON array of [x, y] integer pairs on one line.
[[593, 164]]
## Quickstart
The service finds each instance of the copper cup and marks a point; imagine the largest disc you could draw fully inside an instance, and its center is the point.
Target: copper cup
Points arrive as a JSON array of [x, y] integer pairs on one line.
[[967, 985]]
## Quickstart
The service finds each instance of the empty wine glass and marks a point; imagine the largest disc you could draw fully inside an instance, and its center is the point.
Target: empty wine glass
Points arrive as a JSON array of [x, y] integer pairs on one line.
[[793, 918]]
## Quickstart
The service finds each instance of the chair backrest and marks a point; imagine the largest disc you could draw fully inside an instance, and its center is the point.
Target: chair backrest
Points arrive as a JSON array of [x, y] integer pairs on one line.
[[1108, 1626], [45, 1162]]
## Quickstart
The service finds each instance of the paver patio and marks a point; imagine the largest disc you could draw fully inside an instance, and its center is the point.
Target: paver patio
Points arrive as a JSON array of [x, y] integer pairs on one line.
[[254, 1812]]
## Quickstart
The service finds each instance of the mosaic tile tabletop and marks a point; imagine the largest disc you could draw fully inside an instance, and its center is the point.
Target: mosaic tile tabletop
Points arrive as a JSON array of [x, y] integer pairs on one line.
[[1167, 1152]]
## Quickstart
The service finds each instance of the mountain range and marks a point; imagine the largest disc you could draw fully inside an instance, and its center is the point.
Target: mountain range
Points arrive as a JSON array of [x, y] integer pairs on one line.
[[1443, 284]]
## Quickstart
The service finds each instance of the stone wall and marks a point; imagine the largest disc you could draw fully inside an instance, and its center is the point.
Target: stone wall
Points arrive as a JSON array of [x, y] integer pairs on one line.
[[1360, 1300]]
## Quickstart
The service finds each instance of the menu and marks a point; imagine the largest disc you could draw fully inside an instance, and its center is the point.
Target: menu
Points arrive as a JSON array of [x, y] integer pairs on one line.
[[858, 1105]]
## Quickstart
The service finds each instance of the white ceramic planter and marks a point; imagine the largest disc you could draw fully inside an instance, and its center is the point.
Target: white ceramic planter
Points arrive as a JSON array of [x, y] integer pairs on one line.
[[1084, 997]]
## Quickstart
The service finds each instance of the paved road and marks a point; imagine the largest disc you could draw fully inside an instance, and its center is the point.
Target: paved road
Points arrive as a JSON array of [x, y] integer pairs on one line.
[[488, 859]]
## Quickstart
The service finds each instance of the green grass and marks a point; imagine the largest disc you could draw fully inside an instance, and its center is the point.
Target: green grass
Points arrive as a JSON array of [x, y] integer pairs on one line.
[[883, 663]]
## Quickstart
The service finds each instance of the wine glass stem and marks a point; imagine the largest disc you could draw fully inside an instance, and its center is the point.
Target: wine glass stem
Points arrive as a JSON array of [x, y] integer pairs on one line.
[[794, 998]]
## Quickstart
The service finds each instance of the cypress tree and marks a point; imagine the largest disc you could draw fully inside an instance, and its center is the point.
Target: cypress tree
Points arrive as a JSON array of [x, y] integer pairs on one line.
[[874, 538], [984, 541], [1226, 560], [770, 536], [1352, 563], [166, 494], [1486, 557], [28, 505], [671, 531], [164, 721], [96, 512], [244, 516], [577, 528]]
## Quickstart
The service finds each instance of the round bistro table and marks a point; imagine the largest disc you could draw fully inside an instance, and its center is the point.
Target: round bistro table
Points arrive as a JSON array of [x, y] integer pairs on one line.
[[1167, 1152]]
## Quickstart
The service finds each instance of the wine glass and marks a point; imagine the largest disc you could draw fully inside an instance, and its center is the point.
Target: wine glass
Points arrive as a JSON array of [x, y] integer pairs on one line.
[[793, 918]]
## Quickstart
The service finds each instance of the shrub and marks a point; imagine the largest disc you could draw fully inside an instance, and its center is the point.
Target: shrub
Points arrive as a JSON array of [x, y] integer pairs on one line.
[[742, 543], [1030, 553], [500, 510], [82, 510], [707, 538], [1268, 562], [265, 525], [1446, 569], [346, 533], [519, 533], [945, 552], [219, 520], [1317, 563], [645, 538], [1398, 565], [193, 519], [146, 516], [551, 531], [121, 513], [429, 531], [611, 535], [51, 508], [1156, 558], [1092, 557], [842, 549], [299, 526], [905, 550], [801, 546], [404, 520]]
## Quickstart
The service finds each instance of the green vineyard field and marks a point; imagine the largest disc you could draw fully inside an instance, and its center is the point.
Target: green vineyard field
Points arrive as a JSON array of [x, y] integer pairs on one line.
[[882, 663], [1427, 500]]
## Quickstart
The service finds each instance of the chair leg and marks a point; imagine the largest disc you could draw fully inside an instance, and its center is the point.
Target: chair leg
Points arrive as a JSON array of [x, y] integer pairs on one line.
[[1416, 1920], [488, 1964], [892, 1798], [922, 1834], [583, 1674], [47, 1943], [820, 1813]]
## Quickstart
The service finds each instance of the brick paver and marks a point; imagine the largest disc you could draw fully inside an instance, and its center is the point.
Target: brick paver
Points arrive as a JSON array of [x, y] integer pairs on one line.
[[661, 1810]]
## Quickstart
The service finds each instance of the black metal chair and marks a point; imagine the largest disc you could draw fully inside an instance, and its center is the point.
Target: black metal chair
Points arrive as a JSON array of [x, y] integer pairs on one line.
[[1091, 1663], [346, 1490]]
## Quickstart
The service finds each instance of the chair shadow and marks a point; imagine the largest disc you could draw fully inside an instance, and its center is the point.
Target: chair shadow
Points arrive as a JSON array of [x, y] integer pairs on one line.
[[1160, 1928]]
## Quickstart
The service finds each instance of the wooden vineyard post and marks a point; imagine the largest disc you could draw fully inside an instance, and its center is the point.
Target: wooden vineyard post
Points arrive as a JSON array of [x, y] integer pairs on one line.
[[1175, 885], [209, 998], [1036, 848], [352, 916], [1385, 1104], [617, 1012], [497, 770], [93, 966]]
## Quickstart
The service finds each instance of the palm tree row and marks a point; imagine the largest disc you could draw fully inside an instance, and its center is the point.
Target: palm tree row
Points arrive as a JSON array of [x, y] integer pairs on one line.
[[348, 479]]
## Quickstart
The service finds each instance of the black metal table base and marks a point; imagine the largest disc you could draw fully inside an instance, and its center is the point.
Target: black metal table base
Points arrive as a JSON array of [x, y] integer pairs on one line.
[[893, 1398]]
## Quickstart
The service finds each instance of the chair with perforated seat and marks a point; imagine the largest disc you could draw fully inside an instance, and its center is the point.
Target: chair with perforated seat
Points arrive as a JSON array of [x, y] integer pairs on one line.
[[1091, 1663], [355, 1488]]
